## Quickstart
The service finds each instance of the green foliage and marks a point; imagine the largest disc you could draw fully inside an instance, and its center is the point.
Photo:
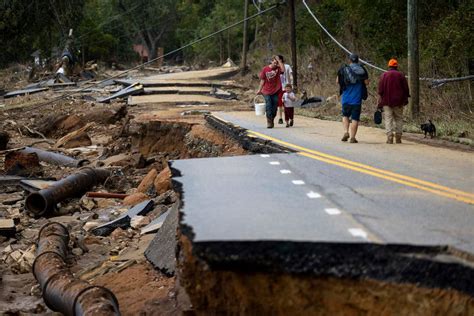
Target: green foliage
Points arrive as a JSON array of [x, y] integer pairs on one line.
[[449, 49], [107, 29], [29, 25]]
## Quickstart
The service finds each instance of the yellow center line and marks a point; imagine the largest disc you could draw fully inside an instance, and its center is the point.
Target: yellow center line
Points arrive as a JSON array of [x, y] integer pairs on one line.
[[376, 172]]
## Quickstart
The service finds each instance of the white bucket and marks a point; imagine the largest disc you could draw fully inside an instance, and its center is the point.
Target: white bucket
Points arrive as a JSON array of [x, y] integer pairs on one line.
[[259, 107]]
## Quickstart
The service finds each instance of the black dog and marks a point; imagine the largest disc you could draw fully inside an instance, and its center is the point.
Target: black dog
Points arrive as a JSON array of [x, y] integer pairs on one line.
[[429, 128], [306, 100]]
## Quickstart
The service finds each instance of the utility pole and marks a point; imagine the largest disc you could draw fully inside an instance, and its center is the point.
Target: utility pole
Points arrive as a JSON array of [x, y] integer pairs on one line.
[[245, 46], [291, 4], [413, 58]]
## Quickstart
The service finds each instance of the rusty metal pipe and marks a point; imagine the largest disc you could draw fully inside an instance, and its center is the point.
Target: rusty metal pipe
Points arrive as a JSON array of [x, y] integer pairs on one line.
[[106, 195], [53, 237], [75, 185], [62, 292], [55, 158]]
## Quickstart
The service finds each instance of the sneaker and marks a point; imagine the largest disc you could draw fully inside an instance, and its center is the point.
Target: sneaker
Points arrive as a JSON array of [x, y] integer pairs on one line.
[[291, 122], [287, 125], [280, 121], [345, 137], [353, 140]]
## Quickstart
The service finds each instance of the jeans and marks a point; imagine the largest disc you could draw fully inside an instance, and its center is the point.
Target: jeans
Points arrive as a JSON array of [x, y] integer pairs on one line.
[[271, 103]]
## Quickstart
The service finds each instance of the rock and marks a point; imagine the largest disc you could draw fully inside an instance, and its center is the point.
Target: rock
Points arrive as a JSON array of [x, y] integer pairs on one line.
[[117, 160], [136, 198], [163, 181], [90, 225], [139, 221], [105, 203], [35, 291], [30, 234], [77, 252], [119, 233], [91, 240], [87, 204], [166, 198], [147, 181]]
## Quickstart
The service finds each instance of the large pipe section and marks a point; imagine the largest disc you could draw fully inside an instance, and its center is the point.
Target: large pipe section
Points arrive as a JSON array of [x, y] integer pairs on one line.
[[62, 292], [55, 158], [74, 185]]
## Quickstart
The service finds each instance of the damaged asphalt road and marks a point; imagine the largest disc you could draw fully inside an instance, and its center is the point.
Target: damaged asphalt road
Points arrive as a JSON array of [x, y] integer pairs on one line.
[[249, 231]]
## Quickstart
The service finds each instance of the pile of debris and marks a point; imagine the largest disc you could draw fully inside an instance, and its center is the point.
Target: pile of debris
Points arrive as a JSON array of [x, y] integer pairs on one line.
[[100, 177]]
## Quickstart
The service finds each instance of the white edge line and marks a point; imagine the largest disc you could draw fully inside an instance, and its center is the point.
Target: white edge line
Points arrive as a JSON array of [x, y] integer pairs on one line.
[[298, 182], [332, 211], [357, 232]]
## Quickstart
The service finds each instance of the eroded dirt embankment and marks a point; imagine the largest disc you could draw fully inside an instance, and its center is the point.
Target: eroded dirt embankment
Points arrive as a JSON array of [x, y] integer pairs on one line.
[[220, 291]]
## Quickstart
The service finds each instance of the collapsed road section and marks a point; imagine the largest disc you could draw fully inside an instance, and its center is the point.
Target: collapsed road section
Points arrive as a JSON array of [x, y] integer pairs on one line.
[[245, 245]]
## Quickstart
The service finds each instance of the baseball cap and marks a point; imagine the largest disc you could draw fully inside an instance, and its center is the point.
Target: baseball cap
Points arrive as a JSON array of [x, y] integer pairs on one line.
[[393, 63], [354, 58]]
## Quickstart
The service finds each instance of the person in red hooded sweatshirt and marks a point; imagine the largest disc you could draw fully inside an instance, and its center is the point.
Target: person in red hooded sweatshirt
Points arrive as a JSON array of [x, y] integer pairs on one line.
[[270, 86], [393, 95]]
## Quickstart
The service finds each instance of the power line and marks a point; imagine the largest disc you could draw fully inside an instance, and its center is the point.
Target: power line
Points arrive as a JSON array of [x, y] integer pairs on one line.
[[165, 55], [435, 82], [335, 41]]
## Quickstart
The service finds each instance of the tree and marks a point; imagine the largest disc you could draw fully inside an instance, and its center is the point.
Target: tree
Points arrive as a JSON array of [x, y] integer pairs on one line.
[[151, 21]]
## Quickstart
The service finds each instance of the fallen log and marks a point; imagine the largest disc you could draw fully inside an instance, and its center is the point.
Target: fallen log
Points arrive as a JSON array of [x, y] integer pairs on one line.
[[63, 140], [44, 201]]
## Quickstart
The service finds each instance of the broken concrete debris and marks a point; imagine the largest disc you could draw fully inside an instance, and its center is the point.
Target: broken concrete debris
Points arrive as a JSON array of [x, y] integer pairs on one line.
[[124, 220], [115, 133], [155, 224], [162, 250], [7, 227], [44, 201]]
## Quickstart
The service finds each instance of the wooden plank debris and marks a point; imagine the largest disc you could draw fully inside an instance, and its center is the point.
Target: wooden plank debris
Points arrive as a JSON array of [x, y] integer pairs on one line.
[[133, 89], [15, 93], [174, 98]]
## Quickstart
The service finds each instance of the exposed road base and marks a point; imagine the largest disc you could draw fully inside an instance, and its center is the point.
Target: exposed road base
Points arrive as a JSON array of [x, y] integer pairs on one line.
[[284, 278]]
